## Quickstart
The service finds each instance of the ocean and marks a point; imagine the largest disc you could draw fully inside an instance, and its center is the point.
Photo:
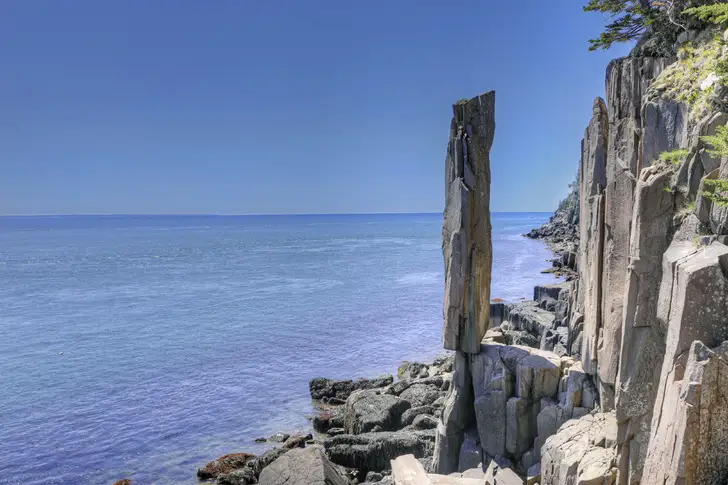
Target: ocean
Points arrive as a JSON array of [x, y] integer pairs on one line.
[[145, 346]]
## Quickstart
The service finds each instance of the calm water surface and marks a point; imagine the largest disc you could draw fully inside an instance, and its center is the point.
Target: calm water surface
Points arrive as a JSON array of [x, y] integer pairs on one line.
[[144, 346]]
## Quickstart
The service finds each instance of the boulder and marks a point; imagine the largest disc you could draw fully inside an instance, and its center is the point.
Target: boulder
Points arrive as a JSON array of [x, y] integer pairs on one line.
[[223, 465], [497, 474], [320, 387], [411, 370], [241, 476], [409, 415], [423, 421], [297, 441], [307, 466], [279, 437], [265, 459], [420, 395], [367, 410], [466, 232], [373, 451], [327, 418]]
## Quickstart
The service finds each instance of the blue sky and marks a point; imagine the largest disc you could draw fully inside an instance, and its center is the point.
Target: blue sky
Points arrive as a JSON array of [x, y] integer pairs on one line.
[[317, 106]]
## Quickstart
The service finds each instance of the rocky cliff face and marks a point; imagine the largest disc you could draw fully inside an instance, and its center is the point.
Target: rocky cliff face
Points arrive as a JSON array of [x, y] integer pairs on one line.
[[623, 383], [643, 243]]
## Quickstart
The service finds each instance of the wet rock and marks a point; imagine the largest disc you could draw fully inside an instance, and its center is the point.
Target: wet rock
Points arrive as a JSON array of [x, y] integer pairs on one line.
[[224, 464], [241, 476], [321, 387], [258, 464], [373, 451], [328, 418], [409, 416], [279, 437], [297, 441], [125, 481]]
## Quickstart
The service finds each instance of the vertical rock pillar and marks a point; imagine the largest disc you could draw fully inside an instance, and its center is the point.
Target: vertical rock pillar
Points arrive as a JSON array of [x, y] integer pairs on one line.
[[467, 251], [466, 244]]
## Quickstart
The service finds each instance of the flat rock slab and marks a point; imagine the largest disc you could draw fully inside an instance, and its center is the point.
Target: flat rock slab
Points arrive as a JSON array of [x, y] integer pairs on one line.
[[303, 466]]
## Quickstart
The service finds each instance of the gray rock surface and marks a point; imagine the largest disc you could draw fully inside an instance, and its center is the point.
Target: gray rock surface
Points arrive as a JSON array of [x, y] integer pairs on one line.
[[693, 304], [466, 232], [644, 339], [591, 230], [690, 436], [367, 410], [576, 454], [419, 395], [373, 451], [307, 466]]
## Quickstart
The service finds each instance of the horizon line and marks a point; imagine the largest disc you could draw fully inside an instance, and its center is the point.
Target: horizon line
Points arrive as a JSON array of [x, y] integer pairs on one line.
[[204, 214]]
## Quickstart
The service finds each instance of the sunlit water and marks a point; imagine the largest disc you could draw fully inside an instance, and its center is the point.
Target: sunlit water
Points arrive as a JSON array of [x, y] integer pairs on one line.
[[145, 346]]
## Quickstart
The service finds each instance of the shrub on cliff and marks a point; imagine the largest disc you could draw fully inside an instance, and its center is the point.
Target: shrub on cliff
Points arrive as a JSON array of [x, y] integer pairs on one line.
[[674, 157], [717, 188]]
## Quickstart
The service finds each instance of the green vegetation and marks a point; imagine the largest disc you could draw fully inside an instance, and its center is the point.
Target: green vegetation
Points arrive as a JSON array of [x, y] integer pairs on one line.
[[656, 23], [674, 157], [713, 14], [682, 80], [718, 192], [719, 142]]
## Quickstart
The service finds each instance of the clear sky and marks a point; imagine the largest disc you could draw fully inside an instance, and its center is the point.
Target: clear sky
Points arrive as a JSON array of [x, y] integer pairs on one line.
[[285, 106]]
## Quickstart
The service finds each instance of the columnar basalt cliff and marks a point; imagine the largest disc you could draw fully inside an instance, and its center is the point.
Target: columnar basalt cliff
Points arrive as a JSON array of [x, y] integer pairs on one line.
[[633, 393], [652, 276]]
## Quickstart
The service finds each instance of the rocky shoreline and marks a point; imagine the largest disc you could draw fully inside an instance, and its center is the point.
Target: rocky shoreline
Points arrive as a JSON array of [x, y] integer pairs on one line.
[[361, 425]]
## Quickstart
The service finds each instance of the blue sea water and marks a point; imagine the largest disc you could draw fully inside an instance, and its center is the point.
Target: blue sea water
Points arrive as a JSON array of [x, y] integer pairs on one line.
[[145, 346]]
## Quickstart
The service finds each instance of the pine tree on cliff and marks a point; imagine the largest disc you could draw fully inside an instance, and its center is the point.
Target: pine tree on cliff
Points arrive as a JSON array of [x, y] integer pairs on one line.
[[655, 23]]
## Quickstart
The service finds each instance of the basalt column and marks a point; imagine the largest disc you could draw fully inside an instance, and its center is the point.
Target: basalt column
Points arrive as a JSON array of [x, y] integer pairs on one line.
[[467, 251], [466, 244]]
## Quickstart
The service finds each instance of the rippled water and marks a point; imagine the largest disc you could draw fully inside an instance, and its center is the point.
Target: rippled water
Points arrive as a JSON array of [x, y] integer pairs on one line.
[[146, 346]]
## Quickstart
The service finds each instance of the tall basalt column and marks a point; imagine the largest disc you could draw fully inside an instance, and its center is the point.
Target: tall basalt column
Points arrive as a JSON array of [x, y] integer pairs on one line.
[[466, 232], [466, 248], [627, 82], [593, 180]]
